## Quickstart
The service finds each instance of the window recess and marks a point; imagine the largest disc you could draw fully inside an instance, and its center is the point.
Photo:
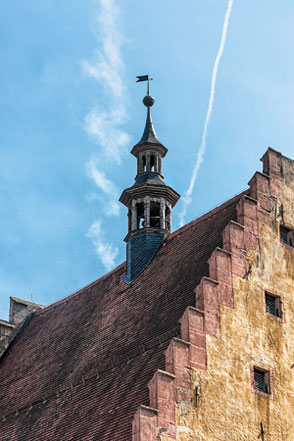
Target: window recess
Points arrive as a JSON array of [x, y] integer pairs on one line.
[[287, 235], [262, 380], [273, 305]]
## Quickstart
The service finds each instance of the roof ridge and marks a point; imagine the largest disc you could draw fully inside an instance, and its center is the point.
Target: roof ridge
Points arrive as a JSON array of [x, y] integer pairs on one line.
[[26, 302], [70, 296]]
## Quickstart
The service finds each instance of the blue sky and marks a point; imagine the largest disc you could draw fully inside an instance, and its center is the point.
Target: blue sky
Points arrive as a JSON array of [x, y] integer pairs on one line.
[[71, 111]]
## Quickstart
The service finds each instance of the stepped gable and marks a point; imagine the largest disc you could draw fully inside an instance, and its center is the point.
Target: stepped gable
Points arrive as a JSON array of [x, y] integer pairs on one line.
[[80, 369]]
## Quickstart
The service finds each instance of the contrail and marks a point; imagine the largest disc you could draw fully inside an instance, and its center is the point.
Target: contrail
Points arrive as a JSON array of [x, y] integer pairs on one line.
[[187, 198]]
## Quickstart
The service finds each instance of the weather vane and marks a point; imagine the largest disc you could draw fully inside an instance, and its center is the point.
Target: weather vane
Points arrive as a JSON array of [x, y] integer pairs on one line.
[[144, 78]]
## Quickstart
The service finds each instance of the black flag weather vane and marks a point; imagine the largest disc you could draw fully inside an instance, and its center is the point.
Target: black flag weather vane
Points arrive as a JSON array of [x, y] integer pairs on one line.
[[144, 78]]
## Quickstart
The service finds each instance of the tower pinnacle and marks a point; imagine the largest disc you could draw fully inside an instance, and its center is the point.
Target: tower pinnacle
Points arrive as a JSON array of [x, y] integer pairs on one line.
[[149, 200], [149, 134]]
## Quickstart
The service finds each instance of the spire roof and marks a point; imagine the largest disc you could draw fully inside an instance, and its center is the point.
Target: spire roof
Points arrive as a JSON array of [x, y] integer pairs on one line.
[[149, 134]]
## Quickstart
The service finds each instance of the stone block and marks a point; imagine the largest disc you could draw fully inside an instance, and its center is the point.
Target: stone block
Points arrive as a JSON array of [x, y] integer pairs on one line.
[[220, 269], [192, 327], [144, 426], [259, 185], [233, 236], [177, 361], [247, 207], [276, 186], [238, 262], [271, 162], [198, 357], [162, 397]]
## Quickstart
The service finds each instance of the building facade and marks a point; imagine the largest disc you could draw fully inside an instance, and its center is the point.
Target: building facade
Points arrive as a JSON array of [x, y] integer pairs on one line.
[[192, 339]]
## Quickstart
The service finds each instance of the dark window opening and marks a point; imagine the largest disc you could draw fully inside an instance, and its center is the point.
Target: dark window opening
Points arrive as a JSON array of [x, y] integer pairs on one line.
[[273, 305], [155, 215], [287, 235], [152, 163], [262, 380], [144, 163], [140, 215]]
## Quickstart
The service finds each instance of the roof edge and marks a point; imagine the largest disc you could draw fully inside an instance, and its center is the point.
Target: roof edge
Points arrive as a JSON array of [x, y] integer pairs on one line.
[[80, 290], [208, 214], [16, 336], [26, 302]]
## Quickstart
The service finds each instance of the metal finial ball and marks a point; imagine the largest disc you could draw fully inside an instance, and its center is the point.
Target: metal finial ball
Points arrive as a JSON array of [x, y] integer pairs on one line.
[[148, 101]]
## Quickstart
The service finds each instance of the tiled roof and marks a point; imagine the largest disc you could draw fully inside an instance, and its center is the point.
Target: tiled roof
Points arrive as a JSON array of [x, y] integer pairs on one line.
[[149, 178], [49, 388]]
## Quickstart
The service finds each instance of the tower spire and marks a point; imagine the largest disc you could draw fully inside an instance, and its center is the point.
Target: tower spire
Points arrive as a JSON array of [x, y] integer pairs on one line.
[[149, 134], [149, 200]]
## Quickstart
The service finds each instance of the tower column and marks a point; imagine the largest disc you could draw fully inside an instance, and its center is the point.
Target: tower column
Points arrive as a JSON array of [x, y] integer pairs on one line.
[[147, 211], [162, 213], [169, 216], [134, 215], [156, 166]]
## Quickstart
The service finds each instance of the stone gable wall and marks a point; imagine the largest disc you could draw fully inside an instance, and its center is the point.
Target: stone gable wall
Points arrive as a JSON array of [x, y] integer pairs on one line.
[[207, 391]]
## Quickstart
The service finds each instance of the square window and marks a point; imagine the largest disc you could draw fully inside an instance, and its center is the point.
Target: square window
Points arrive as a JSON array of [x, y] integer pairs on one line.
[[287, 235], [273, 305], [262, 380]]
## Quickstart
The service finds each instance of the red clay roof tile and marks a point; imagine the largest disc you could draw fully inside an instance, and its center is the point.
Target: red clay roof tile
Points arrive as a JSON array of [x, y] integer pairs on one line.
[[49, 387]]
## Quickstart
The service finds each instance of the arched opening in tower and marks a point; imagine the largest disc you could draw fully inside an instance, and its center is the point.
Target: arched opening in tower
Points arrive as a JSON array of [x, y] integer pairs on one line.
[[152, 163], [140, 215], [144, 162], [155, 215]]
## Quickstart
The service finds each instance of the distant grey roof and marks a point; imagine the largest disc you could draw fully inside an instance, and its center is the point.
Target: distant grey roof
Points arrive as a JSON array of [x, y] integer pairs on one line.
[[149, 134], [150, 178]]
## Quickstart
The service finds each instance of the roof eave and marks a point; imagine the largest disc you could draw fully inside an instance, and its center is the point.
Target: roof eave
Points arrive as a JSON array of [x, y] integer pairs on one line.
[[140, 191], [143, 146]]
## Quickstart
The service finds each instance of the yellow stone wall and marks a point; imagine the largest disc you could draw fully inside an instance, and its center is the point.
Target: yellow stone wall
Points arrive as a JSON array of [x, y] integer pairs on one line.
[[228, 408]]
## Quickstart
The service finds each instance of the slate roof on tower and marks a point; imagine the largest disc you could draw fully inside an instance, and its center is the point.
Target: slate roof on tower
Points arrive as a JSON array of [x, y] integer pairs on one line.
[[149, 134], [80, 368]]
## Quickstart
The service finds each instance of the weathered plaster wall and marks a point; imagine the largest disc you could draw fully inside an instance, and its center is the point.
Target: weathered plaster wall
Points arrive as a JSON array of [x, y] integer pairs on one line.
[[207, 392], [229, 408]]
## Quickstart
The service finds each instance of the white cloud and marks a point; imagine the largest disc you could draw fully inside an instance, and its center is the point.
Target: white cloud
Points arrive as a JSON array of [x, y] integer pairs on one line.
[[103, 127], [112, 208], [106, 251], [100, 179], [108, 64], [103, 124]]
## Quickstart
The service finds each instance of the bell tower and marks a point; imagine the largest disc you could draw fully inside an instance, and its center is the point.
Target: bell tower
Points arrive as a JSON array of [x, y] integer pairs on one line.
[[149, 200]]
